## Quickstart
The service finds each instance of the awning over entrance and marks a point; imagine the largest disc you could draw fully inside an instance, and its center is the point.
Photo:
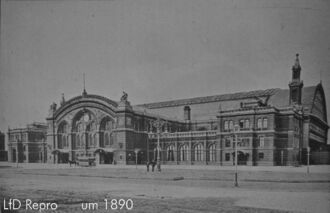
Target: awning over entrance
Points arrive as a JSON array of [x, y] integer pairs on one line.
[[100, 150], [56, 151]]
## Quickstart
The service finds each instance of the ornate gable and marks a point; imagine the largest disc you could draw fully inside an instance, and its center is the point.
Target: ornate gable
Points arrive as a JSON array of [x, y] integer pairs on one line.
[[318, 106]]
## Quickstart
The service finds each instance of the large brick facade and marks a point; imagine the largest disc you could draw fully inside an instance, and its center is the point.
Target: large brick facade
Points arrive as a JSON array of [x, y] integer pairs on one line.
[[275, 128]]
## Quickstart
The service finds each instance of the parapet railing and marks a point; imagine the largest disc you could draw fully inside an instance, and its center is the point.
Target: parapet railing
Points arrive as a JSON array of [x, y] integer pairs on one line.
[[185, 134]]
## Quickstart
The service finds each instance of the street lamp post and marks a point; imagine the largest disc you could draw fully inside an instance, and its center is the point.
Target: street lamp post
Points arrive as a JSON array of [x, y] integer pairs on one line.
[[158, 124], [236, 129], [308, 154], [136, 156]]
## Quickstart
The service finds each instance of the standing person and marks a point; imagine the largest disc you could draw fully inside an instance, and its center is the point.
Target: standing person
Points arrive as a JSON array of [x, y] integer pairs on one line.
[[153, 165], [148, 164]]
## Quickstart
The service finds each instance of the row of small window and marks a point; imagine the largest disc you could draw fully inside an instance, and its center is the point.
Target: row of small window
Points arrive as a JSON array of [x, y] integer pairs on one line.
[[197, 153], [244, 142], [260, 156], [18, 137], [262, 123], [63, 140]]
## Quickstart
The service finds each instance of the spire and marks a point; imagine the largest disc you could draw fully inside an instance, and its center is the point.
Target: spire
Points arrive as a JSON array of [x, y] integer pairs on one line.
[[84, 92], [296, 84], [62, 99], [296, 65], [296, 68]]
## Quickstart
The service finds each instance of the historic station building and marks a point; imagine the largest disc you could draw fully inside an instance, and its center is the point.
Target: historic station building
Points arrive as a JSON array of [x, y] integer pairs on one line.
[[28, 144], [275, 128]]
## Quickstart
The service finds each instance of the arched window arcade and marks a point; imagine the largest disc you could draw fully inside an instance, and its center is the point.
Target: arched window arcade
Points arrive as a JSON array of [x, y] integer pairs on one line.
[[198, 152], [183, 152]]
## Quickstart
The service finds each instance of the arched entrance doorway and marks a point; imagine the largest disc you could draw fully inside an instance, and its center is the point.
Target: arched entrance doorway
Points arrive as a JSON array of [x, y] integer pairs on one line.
[[61, 156], [242, 158], [105, 155]]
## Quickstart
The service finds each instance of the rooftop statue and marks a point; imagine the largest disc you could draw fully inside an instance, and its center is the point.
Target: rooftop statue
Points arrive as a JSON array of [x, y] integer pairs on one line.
[[124, 96]]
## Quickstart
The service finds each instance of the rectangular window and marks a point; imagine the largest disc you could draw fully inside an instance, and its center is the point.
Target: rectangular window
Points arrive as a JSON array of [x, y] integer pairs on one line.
[[247, 124], [245, 142], [261, 141], [227, 142], [227, 157], [241, 124], [259, 123], [231, 125], [226, 125], [265, 123], [261, 155], [128, 121]]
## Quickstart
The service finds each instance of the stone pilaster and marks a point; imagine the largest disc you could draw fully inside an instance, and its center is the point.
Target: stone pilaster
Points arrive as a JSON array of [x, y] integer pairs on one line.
[[27, 154], [189, 157], [205, 152]]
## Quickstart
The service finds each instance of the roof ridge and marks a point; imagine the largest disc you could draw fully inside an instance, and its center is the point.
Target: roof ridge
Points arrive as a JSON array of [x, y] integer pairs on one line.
[[211, 98]]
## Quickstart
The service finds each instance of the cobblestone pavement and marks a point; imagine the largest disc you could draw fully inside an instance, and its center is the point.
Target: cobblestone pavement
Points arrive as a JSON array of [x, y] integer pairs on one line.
[[288, 169], [204, 185]]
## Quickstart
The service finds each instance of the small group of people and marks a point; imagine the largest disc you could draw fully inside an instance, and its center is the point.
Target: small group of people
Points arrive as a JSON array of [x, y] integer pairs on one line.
[[153, 164]]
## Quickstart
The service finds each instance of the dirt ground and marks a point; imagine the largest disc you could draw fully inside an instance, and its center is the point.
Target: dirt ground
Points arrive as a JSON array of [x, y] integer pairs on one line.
[[169, 191]]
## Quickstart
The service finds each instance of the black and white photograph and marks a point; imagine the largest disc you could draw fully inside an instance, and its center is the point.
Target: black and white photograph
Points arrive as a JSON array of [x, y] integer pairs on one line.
[[161, 106]]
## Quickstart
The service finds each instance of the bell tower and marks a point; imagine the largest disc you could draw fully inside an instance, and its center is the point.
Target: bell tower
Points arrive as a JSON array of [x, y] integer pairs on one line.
[[296, 84]]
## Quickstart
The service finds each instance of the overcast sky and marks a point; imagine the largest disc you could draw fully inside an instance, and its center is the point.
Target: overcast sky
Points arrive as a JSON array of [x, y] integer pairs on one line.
[[155, 50]]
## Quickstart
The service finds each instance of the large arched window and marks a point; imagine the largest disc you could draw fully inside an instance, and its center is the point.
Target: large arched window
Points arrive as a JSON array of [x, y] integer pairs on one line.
[[95, 140], [82, 126], [183, 152], [107, 125], [92, 141], [212, 152], [82, 141], [78, 144], [106, 139], [198, 151], [170, 152], [91, 131], [62, 136]]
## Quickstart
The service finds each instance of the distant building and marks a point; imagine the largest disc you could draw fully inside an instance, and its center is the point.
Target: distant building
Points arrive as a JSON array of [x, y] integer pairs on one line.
[[275, 128], [28, 144], [3, 151]]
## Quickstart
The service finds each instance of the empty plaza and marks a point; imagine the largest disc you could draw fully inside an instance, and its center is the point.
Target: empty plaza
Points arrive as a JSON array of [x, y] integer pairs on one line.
[[175, 189]]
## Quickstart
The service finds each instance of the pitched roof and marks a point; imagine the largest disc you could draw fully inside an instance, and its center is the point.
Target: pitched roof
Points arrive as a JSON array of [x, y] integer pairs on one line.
[[213, 98], [277, 97], [281, 97]]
